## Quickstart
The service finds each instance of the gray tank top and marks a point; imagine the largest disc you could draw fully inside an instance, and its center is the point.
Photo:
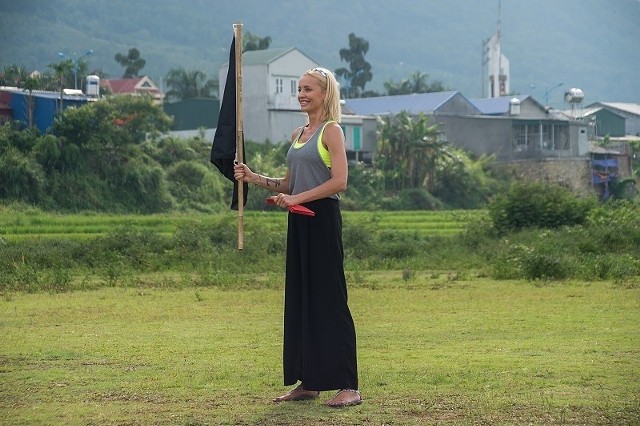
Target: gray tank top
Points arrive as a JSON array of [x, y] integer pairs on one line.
[[307, 169]]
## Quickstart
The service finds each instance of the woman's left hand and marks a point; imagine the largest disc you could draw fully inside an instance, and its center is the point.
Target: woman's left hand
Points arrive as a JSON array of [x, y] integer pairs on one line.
[[284, 200]]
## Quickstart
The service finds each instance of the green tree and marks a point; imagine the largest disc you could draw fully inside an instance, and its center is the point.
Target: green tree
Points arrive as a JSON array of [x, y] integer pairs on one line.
[[463, 182], [81, 72], [62, 75], [194, 186], [12, 136], [100, 161], [21, 176], [132, 62], [255, 42], [113, 123], [537, 205], [623, 189], [109, 156], [16, 76], [416, 83], [408, 150], [359, 73], [13, 75], [189, 84]]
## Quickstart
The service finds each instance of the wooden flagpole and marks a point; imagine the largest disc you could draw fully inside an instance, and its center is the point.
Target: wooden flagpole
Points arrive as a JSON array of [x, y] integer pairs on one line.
[[237, 32]]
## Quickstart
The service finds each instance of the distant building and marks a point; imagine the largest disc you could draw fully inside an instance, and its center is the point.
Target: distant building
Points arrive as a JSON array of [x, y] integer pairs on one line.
[[508, 127], [604, 122], [270, 104], [431, 104], [137, 86], [618, 123], [37, 108], [613, 118], [191, 117], [537, 142]]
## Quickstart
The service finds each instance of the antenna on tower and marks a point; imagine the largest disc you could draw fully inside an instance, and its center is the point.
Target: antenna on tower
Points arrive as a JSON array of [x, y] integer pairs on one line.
[[499, 19], [499, 51], [495, 63]]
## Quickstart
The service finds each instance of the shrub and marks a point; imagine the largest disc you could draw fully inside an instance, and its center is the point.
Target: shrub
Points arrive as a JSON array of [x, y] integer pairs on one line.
[[20, 277], [537, 205], [21, 176], [358, 238], [396, 245], [412, 199], [143, 187], [478, 233], [169, 151], [531, 262], [131, 247], [608, 266], [535, 265], [195, 186], [615, 226]]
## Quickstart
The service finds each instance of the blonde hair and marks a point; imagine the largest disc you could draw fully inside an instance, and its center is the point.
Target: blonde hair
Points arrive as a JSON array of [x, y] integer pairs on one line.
[[329, 85]]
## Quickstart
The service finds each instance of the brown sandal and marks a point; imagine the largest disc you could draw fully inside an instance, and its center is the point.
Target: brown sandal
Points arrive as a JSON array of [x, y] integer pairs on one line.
[[297, 394], [339, 404]]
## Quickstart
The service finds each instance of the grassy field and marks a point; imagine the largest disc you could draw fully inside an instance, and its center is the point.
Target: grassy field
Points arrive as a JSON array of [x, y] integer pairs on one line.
[[17, 225], [432, 350]]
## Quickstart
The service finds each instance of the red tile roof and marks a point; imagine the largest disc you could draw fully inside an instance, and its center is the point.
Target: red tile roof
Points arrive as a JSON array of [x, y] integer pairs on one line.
[[127, 85]]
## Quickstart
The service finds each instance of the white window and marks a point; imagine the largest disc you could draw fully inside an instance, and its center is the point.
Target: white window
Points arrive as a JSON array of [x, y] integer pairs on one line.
[[561, 137], [294, 88], [279, 84], [526, 136], [520, 142], [547, 136], [539, 136]]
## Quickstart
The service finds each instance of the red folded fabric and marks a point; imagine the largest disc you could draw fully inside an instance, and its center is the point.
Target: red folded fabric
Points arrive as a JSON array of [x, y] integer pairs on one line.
[[296, 208]]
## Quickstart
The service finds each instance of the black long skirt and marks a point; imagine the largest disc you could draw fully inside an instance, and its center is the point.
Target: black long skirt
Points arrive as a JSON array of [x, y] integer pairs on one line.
[[319, 333]]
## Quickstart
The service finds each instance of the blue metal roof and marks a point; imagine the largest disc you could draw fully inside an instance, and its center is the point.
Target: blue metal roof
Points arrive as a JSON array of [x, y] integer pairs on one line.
[[415, 103]]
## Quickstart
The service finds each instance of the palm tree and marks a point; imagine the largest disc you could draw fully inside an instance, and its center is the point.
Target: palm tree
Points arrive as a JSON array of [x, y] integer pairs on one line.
[[31, 84], [409, 149], [416, 83], [13, 75], [189, 84], [61, 70], [132, 62]]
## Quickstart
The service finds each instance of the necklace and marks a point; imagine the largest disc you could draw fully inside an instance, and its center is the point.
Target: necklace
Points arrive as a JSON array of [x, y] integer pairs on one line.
[[313, 128], [310, 131]]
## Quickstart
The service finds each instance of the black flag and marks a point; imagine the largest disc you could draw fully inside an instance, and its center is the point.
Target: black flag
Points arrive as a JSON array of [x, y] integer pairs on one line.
[[223, 150]]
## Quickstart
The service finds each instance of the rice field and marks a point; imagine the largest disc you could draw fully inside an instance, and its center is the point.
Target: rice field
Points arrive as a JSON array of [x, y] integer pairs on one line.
[[37, 224]]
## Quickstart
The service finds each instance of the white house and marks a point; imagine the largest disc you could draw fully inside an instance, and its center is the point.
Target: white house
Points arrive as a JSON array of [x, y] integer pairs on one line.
[[270, 105]]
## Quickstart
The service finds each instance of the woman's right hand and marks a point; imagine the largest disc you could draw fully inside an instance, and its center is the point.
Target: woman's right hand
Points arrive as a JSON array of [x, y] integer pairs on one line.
[[243, 173]]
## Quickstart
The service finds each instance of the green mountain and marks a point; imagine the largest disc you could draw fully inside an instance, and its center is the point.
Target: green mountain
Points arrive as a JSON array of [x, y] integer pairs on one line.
[[589, 44]]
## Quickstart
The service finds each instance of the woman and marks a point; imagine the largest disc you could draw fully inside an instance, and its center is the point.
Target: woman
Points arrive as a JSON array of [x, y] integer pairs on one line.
[[319, 334]]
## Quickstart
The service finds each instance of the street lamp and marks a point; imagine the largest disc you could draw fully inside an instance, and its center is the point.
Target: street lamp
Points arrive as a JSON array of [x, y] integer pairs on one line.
[[546, 94], [75, 61]]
